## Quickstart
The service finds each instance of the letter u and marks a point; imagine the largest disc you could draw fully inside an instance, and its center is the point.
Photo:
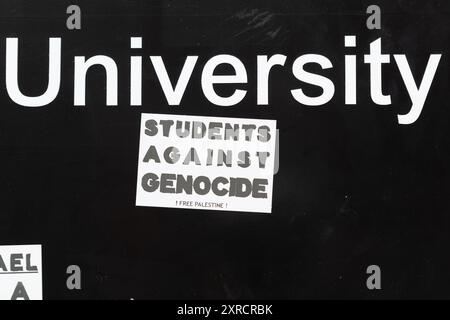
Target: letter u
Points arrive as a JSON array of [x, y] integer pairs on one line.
[[54, 74]]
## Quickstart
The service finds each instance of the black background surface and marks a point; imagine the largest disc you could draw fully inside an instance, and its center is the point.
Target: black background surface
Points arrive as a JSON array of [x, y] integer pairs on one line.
[[354, 188]]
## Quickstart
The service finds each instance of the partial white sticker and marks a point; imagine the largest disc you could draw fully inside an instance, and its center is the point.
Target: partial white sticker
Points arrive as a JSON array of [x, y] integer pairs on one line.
[[208, 163], [21, 272]]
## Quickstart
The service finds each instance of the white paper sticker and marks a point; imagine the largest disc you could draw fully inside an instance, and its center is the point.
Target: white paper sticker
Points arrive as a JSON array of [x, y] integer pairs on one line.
[[209, 163], [21, 272]]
